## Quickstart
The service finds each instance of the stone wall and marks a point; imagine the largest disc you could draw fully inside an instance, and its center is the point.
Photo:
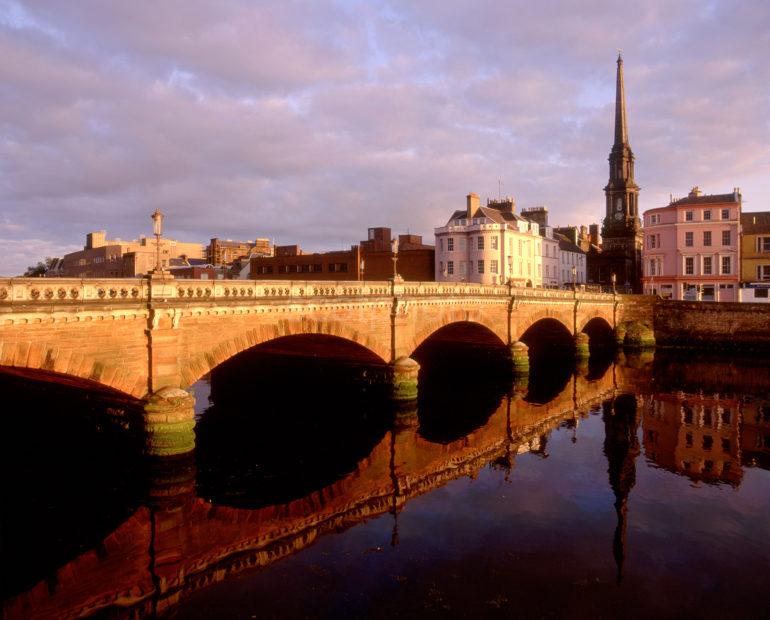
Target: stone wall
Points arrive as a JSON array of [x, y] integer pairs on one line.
[[721, 325]]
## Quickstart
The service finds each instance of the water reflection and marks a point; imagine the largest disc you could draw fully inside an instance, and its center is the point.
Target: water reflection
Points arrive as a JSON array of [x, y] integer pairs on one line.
[[273, 474], [259, 444], [621, 447]]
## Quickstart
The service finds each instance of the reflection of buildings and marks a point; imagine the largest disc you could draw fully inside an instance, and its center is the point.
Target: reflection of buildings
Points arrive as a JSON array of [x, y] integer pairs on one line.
[[695, 435], [755, 433]]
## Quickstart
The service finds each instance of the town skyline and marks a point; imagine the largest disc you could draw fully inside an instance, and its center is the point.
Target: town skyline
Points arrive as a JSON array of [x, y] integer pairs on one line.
[[240, 122]]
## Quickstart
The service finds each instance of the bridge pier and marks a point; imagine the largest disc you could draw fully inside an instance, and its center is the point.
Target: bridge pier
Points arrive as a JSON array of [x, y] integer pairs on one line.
[[169, 420], [582, 350], [639, 336], [404, 381], [519, 358]]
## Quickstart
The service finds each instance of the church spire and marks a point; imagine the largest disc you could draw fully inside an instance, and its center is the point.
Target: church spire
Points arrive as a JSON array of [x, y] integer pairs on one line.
[[621, 130]]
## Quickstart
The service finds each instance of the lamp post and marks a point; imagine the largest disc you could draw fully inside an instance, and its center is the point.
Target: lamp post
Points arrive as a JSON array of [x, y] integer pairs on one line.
[[614, 279], [394, 248], [157, 229], [574, 274]]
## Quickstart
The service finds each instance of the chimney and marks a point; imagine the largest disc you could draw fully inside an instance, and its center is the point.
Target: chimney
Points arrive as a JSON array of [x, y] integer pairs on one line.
[[695, 192], [594, 234], [473, 204], [96, 239]]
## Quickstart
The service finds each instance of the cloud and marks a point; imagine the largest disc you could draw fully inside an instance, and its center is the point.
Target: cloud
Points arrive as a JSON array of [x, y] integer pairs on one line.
[[309, 122]]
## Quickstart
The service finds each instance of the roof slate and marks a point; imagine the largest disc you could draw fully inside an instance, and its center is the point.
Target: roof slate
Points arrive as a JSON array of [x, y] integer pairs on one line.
[[757, 222]]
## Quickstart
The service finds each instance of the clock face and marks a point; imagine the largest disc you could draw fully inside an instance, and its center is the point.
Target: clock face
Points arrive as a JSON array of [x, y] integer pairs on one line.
[[618, 216], [619, 204]]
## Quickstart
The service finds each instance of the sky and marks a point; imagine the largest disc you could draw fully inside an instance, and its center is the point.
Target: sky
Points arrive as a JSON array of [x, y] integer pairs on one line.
[[308, 122]]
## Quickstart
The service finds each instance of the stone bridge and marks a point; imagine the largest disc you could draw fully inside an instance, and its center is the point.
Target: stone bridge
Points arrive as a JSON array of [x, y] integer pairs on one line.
[[152, 338]]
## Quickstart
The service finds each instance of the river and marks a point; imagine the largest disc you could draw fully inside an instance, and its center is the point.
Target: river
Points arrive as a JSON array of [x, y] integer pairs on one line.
[[636, 486]]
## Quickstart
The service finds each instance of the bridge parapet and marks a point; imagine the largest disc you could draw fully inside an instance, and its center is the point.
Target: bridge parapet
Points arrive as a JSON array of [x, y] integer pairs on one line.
[[26, 291]]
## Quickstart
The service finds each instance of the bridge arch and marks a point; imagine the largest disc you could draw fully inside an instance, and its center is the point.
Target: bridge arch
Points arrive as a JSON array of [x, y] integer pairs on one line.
[[547, 333], [215, 353], [599, 330], [492, 331], [60, 362], [551, 316]]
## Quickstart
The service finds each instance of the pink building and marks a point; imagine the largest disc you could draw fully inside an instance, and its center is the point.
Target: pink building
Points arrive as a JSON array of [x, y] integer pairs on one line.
[[692, 248]]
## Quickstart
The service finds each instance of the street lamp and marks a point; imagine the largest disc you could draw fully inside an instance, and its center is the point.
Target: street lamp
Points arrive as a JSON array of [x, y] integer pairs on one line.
[[157, 229], [574, 274], [614, 279], [394, 248]]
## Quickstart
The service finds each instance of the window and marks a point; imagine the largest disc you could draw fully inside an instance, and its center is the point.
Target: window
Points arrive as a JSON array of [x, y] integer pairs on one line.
[[651, 242], [480, 266], [317, 267], [725, 237], [450, 267], [463, 267], [441, 244], [763, 272], [652, 267], [304, 268], [688, 216], [708, 442], [707, 267], [726, 416], [689, 265], [450, 244], [688, 239], [706, 237], [521, 246], [480, 244], [493, 243], [707, 215], [763, 244], [463, 244], [725, 265], [725, 214], [726, 445], [760, 293], [655, 218], [688, 440], [493, 266]]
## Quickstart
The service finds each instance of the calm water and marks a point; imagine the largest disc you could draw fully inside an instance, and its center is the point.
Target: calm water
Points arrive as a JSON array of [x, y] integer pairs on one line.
[[629, 488]]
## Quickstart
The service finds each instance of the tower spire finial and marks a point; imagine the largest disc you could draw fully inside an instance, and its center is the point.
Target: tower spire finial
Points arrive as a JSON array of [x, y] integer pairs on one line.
[[621, 131]]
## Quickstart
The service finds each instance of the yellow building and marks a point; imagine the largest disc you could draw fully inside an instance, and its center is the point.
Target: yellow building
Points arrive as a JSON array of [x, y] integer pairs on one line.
[[755, 256]]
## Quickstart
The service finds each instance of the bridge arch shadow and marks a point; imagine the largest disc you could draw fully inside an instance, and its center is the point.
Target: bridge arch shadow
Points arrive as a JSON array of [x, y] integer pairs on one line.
[[464, 374], [289, 417], [552, 359], [331, 333]]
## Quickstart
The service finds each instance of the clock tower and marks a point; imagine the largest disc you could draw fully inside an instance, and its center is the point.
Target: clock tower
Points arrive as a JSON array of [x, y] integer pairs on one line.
[[622, 229]]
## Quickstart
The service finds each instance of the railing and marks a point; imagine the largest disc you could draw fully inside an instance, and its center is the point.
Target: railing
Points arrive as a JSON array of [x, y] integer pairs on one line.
[[57, 291]]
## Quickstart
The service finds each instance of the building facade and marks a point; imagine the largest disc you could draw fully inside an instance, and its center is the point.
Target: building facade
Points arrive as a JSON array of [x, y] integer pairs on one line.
[[372, 259], [621, 250], [755, 257], [489, 245], [114, 258], [226, 251], [692, 248]]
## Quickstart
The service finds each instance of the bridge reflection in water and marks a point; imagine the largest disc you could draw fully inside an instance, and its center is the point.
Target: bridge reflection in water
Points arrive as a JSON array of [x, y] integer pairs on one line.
[[244, 502]]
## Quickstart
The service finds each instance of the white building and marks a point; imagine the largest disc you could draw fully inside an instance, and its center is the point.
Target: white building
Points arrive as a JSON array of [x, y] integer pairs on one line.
[[570, 256], [489, 245]]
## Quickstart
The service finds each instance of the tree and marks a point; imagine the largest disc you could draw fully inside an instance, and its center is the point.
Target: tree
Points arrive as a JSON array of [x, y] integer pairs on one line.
[[36, 271]]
